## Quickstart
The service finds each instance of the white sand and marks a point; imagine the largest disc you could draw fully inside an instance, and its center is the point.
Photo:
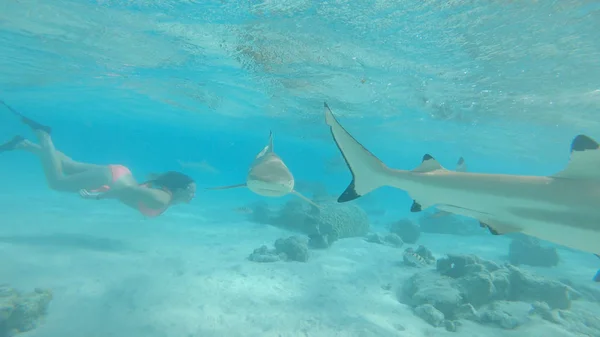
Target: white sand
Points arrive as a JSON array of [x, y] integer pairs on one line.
[[187, 276]]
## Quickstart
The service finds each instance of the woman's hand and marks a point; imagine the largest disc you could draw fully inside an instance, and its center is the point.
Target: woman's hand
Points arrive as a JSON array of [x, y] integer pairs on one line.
[[85, 194]]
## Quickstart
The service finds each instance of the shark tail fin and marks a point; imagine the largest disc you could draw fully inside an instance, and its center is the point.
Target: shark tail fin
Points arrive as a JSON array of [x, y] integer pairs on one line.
[[368, 172], [225, 187], [461, 166]]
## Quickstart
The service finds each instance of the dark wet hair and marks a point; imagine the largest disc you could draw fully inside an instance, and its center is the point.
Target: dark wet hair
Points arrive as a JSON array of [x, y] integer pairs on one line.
[[171, 180]]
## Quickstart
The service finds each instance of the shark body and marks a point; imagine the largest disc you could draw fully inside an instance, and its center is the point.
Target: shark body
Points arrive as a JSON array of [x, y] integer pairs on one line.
[[269, 176], [563, 208], [461, 166]]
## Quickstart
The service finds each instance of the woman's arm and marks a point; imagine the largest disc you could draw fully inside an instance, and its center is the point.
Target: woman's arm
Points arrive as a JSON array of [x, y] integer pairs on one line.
[[149, 196]]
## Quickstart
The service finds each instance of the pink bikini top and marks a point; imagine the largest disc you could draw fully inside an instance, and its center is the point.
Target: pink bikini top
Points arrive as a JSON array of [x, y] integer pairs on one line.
[[153, 212]]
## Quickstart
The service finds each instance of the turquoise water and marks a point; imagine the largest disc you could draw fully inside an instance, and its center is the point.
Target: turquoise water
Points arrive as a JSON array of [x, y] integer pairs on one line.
[[154, 84]]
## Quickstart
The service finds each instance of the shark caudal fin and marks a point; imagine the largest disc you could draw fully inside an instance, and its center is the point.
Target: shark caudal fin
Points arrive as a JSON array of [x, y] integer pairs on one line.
[[461, 166], [225, 187], [368, 172], [584, 161]]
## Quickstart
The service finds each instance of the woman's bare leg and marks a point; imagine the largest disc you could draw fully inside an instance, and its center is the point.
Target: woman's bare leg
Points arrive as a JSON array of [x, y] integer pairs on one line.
[[53, 169], [53, 164], [69, 166]]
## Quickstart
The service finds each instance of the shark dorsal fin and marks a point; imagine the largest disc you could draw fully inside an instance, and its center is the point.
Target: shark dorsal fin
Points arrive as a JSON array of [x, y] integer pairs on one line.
[[461, 166], [585, 160], [428, 164], [270, 146]]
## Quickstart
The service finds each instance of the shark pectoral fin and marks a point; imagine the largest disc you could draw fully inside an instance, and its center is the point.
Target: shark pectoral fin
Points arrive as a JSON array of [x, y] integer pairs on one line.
[[597, 276], [439, 214], [584, 161], [461, 166], [225, 187], [428, 164], [305, 198], [497, 228]]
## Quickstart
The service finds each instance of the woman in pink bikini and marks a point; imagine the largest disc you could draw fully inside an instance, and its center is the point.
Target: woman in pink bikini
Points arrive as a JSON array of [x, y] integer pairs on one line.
[[151, 198]]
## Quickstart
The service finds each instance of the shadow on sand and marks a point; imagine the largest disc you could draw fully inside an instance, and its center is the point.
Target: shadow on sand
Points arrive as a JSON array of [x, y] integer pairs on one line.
[[67, 240]]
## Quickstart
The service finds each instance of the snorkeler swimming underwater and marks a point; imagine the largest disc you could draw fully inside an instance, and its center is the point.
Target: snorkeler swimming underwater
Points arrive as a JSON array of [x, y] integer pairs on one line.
[[152, 197]]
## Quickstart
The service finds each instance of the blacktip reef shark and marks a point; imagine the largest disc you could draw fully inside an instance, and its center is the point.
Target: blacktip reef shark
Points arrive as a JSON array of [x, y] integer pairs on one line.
[[269, 176], [563, 208], [461, 166]]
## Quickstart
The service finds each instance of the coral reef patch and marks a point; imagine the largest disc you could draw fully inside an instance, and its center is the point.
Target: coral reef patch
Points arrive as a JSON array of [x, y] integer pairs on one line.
[[324, 226], [293, 248], [21, 312], [528, 250], [407, 230], [447, 223], [389, 239], [466, 287]]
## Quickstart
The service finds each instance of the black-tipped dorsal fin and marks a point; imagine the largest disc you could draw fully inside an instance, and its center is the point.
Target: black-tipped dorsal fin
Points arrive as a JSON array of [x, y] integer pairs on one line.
[[585, 160], [461, 166], [419, 204], [416, 207], [428, 164]]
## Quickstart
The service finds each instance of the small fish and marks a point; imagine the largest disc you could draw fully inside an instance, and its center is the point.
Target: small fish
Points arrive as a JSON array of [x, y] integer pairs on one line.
[[411, 258], [243, 210], [334, 165], [203, 166]]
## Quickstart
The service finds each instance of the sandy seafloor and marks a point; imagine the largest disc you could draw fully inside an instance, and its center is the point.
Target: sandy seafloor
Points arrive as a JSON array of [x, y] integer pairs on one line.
[[187, 275]]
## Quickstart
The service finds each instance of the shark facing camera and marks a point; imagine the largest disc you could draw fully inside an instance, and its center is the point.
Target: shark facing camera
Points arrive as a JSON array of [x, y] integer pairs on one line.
[[268, 176], [269, 189]]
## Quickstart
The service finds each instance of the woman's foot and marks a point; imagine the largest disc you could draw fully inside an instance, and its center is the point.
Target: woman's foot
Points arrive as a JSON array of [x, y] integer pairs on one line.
[[12, 144]]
